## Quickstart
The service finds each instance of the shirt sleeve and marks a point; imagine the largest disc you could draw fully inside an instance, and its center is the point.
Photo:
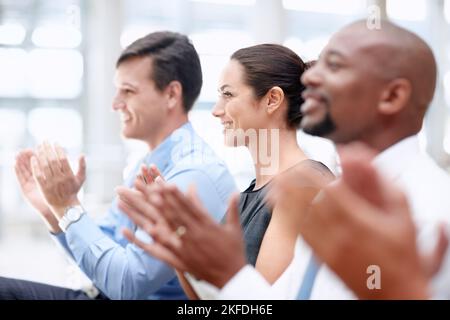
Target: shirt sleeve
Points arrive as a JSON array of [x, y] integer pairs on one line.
[[60, 238], [109, 225], [248, 284], [126, 271], [205, 189], [119, 272]]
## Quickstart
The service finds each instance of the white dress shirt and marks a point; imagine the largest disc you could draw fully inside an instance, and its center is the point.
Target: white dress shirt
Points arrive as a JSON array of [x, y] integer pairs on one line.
[[427, 188]]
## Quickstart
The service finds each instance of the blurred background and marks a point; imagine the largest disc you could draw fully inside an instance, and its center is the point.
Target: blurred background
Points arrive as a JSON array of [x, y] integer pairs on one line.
[[57, 61]]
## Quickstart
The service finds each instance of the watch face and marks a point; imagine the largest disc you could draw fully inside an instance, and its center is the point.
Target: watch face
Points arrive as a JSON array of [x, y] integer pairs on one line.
[[73, 214]]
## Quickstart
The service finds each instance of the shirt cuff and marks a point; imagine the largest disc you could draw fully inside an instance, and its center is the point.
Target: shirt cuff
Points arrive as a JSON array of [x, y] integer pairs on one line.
[[81, 234], [203, 289], [60, 239], [247, 284]]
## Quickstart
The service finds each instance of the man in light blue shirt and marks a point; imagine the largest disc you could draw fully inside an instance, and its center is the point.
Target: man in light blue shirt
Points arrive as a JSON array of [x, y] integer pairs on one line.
[[158, 79]]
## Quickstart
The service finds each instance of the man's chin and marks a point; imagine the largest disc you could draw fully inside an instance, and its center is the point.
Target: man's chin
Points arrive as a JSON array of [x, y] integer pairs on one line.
[[319, 129], [126, 134]]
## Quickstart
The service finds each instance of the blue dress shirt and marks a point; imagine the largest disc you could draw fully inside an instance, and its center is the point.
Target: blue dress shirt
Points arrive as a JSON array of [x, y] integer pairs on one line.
[[122, 270]]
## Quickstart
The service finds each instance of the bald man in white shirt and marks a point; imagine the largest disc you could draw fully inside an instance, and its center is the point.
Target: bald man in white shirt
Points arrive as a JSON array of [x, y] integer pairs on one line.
[[370, 86]]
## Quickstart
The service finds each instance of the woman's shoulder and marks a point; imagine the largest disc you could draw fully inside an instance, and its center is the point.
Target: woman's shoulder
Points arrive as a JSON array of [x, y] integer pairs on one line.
[[251, 187], [314, 166]]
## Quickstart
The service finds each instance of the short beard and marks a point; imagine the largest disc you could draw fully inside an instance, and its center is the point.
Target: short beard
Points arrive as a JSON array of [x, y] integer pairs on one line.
[[321, 129]]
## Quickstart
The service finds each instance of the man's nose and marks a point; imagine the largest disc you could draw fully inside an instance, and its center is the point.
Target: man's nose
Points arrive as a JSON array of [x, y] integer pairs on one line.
[[118, 104], [311, 76]]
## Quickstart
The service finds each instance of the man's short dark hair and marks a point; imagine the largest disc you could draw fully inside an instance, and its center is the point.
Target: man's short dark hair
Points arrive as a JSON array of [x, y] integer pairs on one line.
[[174, 59]]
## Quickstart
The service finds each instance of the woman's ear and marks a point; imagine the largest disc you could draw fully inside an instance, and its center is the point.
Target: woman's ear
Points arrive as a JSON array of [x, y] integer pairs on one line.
[[275, 97], [395, 96]]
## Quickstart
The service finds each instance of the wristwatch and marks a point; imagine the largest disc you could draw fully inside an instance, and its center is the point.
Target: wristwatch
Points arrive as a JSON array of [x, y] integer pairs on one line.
[[71, 215]]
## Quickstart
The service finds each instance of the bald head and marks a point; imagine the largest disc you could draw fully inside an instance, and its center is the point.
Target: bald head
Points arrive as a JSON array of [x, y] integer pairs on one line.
[[397, 53], [369, 85]]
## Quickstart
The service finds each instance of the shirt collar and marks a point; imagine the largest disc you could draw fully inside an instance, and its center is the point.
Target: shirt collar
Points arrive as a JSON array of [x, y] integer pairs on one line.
[[393, 161], [161, 155]]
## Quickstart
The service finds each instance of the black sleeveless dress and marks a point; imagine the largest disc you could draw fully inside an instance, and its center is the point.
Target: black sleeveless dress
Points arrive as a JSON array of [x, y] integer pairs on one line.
[[255, 218], [255, 215]]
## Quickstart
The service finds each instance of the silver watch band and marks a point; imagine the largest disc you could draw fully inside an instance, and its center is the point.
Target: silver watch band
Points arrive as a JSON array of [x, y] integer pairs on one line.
[[71, 215]]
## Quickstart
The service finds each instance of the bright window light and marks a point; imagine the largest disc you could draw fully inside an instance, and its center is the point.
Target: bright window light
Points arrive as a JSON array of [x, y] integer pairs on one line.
[[229, 2], [12, 128], [447, 10], [212, 66], [60, 125], [220, 41], [315, 46], [134, 32], [55, 73], [423, 142], [215, 47], [296, 45], [410, 10], [447, 87], [447, 137], [342, 7], [12, 34], [307, 50], [13, 79], [448, 52], [56, 37]]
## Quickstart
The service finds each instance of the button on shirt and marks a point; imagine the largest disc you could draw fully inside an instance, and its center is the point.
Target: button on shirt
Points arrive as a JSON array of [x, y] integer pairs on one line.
[[124, 271]]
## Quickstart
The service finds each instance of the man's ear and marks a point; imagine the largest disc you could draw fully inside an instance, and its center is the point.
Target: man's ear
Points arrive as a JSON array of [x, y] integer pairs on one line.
[[395, 96], [174, 92], [274, 98]]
